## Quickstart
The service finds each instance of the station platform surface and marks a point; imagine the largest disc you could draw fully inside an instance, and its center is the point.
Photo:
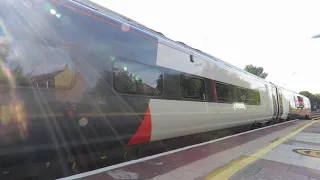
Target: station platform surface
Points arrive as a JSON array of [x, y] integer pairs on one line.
[[290, 150]]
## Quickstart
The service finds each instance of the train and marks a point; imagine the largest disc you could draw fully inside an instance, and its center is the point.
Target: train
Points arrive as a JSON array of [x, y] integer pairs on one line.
[[74, 73]]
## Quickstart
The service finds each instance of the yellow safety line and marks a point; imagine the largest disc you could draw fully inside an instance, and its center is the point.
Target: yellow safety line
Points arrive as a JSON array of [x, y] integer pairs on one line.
[[230, 169]]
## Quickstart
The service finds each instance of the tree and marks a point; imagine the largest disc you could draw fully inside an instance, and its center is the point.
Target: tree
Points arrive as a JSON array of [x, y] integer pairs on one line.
[[309, 95], [317, 97], [159, 88], [258, 71], [314, 98], [4, 49]]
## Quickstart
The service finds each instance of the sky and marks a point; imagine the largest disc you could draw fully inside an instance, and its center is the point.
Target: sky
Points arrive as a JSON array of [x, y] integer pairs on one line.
[[273, 34]]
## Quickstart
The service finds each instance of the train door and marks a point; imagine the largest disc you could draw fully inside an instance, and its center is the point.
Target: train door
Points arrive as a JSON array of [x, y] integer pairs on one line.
[[286, 104], [280, 103], [275, 103], [307, 108], [292, 107]]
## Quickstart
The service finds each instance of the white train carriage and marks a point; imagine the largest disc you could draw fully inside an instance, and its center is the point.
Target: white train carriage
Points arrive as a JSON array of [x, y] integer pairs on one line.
[[177, 118]]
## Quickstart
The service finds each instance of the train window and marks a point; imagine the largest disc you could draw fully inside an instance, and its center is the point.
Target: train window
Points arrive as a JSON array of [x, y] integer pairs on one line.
[[37, 64], [139, 79], [223, 92], [300, 101], [241, 94], [192, 87], [254, 97], [31, 60], [248, 96]]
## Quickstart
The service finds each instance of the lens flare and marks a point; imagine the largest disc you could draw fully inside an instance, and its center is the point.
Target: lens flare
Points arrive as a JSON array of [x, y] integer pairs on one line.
[[52, 11], [112, 58], [125, 27], [83, 122], [137, 78], [12, 109]]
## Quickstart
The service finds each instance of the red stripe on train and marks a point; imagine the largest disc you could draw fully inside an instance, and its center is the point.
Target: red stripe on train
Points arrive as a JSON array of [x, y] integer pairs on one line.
[[143, 134]]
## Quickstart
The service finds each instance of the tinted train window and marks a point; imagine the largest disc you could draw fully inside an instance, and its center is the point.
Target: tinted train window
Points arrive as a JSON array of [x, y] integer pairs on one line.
[[242, 94], [248, 96], [31, 60], [134, 78], [192, 87], [39, 65], [70, 25], [300, 101], [223, 92], [254, 97], [67, 25]]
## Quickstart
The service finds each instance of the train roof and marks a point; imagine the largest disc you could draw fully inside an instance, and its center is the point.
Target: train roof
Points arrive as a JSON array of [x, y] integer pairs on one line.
[[102, 9], [92, 5], [284, 88]]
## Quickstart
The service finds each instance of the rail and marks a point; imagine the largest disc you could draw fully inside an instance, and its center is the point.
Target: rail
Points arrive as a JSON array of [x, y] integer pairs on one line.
[[316, 115]]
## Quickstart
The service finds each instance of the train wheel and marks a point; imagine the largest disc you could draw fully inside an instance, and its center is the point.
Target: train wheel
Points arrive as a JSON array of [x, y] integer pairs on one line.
[[273, 121], [254, 126], [307, 116]]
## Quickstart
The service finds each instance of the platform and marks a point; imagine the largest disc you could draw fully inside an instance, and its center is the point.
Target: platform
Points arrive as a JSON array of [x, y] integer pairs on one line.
[[284, 151]]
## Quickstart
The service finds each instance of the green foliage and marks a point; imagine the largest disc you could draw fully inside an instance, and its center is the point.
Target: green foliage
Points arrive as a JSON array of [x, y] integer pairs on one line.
[[4, 49], [314, 98], [307, 94], [160, 82], [258, 71], [17, 73]]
